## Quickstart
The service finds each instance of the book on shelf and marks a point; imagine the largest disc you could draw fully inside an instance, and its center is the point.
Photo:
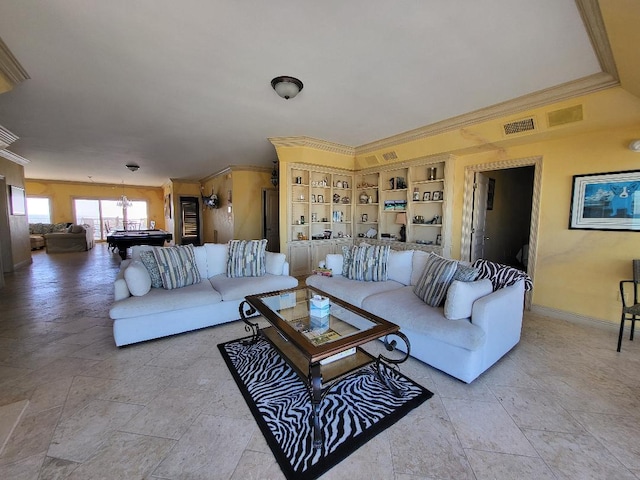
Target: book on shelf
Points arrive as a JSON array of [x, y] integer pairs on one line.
[[338, 356]]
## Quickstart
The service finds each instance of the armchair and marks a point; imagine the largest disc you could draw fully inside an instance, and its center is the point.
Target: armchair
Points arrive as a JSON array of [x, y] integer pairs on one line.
[[630, 311]]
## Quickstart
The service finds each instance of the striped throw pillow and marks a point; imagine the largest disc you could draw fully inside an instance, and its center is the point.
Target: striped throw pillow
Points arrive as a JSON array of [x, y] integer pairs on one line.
[[435, 280], [368, 263], [148, 259], [246, 258], [177, 266]]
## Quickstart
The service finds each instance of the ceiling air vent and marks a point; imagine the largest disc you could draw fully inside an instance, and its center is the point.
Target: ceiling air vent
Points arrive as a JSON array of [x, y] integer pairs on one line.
[[565, 115], [519, 126], [389, 156]]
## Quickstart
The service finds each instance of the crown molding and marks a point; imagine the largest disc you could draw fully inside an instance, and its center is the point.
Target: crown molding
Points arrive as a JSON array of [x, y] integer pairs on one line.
[[6, 137], [576, 88], [314, 143], [14, 157], [594, 24], [10, 67]]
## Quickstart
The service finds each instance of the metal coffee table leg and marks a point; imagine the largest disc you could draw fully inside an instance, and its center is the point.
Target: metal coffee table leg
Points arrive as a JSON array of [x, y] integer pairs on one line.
[[246, 310], [316, 400], [390, 345]]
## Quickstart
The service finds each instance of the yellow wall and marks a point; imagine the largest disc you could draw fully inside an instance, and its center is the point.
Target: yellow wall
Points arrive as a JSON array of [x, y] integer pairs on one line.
[[218, 222], [62, 195], [576, 271]]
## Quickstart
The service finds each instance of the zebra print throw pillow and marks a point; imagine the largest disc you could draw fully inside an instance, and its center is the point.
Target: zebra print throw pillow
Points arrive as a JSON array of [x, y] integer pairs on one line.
[[501, 275], [246, 258], [435, 280], [366, 263]]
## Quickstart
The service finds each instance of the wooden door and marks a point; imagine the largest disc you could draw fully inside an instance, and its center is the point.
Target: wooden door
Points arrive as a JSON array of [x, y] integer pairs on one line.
[[271, 219], [478, 238]]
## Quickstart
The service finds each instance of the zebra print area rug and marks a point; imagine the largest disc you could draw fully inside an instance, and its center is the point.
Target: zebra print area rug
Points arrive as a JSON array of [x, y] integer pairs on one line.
[[354, 410]]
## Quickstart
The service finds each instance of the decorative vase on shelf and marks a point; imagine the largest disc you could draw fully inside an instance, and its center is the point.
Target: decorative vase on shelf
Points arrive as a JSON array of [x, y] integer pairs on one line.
[[364, 198]]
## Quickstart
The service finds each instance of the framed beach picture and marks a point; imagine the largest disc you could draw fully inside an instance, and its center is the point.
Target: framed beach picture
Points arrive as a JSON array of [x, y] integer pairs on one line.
[[426, 196], [18, 201], [606, 201]]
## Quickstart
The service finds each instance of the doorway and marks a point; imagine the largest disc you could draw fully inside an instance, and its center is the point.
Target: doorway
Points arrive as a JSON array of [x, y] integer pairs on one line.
[[504, 232], [271, 218]]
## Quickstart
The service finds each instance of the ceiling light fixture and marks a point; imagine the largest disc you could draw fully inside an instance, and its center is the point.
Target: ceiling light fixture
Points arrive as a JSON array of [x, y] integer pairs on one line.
[[286, 87], [634, 146], [134, 167], [124, 202]]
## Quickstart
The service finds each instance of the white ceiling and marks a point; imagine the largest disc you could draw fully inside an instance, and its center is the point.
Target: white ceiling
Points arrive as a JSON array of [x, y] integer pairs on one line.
[[183, 87]]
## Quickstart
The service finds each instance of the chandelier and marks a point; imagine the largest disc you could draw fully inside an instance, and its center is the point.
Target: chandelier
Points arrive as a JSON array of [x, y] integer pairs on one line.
[[124, 202]]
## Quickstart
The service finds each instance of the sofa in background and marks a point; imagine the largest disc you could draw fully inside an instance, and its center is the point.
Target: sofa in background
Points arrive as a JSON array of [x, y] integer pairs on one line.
[[485, 318], [76, 238], [37, 232], [142, 312]]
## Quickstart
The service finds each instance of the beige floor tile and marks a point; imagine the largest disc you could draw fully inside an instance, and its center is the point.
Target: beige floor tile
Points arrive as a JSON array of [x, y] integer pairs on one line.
[[205, 373], [83, 390], [226, 400], [170, 414], [31, 436], [78, 437], [141, 385], [10, 416], [56, 468], [372, 460], [210, 448], [487, 426], [501, 466], [620, 434], [258, 466], [536, 409], [25, 469], [577, 456], [425, 443], [124, 456]]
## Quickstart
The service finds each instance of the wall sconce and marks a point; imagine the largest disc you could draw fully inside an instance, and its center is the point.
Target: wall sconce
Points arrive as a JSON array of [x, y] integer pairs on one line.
[[634, 146]]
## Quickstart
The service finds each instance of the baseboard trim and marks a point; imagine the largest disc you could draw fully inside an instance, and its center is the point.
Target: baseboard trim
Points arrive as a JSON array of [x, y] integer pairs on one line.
[[574, 318]]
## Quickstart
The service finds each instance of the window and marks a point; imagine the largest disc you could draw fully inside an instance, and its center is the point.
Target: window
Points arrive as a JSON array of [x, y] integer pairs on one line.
[[106, 215], [39, 209]]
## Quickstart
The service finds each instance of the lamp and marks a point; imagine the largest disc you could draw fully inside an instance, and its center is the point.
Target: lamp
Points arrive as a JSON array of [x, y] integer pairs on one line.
[[274, 174], [401, 219], [124, 202], [634, 146], [134, 167], [286, 87]]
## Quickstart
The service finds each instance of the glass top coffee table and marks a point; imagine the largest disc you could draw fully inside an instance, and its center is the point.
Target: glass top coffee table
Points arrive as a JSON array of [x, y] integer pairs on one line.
[[320, 336]]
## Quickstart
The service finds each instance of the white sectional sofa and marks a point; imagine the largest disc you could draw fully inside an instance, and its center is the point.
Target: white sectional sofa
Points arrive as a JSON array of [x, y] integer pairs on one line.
[[462, 348], [212, 301]]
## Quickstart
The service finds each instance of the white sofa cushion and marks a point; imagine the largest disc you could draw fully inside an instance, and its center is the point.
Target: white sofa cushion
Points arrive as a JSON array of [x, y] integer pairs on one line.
[[138, 279], [334, 262], [274, 262], [236, 288], [418, 263], [419, 318], [200, 256], [461, 295], [159, 300], [351, 291], [216, 258], [400, 265]]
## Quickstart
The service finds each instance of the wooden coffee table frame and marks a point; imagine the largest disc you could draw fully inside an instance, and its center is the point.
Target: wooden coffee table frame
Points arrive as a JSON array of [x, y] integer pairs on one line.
[[304, 357]]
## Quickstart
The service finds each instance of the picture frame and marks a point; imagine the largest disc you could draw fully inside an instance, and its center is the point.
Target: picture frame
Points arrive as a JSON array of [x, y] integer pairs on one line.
[[426, 197], [437, 196], [18, 200], [491, 191], [606, 201], [167, 206]]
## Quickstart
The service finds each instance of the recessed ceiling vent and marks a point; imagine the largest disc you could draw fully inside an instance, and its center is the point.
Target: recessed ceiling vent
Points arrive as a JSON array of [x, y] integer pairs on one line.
[[565, 115], [389, 156], [371, 160], [519, 126]]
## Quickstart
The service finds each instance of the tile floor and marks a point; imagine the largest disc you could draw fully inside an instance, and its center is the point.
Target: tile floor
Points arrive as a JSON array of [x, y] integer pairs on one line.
[[562, 405]]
